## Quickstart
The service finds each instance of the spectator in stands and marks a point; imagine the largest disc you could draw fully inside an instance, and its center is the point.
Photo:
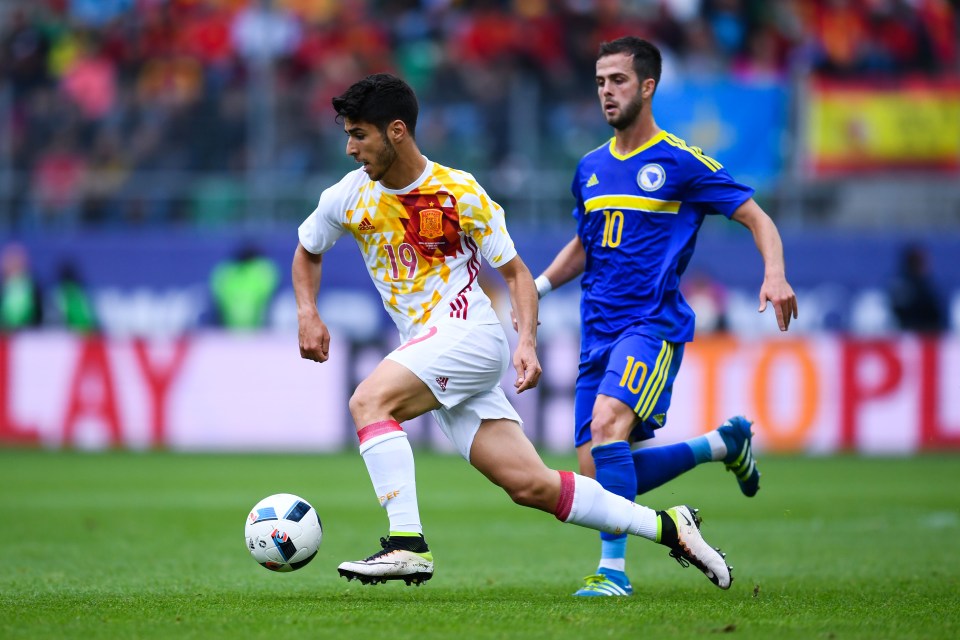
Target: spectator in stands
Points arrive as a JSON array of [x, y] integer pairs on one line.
[[852, 37], [913, 294], [58, 180], [20, 298], [24, 48], [259, 31], [71, 302], [243, 288]]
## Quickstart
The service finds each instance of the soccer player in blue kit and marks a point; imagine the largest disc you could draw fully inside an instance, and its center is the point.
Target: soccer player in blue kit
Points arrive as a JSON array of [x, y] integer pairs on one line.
[[640, 201]]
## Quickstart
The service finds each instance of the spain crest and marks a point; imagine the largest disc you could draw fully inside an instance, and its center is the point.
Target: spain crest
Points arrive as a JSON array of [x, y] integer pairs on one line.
[[431, 223]]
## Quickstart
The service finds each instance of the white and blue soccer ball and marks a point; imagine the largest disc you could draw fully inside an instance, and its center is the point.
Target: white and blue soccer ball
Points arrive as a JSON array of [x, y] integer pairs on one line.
[[283, 532]]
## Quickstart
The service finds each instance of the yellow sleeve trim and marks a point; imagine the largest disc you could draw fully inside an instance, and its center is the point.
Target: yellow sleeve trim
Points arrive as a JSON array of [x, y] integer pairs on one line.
[[697, 152]]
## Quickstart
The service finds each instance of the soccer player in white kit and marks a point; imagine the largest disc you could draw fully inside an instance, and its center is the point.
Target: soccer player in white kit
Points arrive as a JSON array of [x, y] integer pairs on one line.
[[423, 230]]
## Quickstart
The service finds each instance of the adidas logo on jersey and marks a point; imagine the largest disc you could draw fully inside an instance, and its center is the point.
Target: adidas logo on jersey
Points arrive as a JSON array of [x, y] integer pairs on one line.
[[592, 182], [442, 381], [365, 225]]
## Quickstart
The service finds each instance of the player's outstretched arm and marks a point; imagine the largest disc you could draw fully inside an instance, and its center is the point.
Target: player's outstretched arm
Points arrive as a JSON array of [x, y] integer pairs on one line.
[[524, 305], [313, 333], [775, 288]]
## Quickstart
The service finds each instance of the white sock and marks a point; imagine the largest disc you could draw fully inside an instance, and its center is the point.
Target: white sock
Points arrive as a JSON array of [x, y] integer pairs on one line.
[[616, 564], [584, 502], [718, 448], [389, 461]]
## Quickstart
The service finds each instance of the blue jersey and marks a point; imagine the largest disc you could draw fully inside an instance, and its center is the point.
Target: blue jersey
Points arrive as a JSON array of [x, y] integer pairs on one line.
[[638, 216]]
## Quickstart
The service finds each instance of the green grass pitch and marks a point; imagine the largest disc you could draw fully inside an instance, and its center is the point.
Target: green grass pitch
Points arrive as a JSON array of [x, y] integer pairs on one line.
[[150, 545]]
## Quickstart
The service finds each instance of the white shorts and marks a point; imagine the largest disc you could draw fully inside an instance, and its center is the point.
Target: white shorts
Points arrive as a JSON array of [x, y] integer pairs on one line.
[[462, 364]]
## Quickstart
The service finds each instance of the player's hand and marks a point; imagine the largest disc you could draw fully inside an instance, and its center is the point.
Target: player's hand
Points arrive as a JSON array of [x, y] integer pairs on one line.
[[527, 364], [779, 293], [314, 339]]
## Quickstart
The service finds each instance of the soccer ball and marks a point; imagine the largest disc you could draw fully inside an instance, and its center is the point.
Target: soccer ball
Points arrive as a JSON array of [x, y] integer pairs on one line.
[[283, 532]]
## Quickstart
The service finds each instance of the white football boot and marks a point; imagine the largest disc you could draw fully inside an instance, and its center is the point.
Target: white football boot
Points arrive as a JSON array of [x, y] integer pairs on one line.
[[404, 558], [691, 548]]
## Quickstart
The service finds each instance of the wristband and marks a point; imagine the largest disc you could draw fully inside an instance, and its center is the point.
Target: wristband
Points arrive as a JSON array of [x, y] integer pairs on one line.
[[543, 285]]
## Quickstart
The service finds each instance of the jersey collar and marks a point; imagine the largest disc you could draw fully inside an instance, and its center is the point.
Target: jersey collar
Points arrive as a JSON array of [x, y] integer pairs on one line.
[[646, 145], [427, 170]]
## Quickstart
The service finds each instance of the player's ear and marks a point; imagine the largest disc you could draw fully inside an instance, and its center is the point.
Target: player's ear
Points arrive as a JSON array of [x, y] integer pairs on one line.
[[397, 131], [647, 87]]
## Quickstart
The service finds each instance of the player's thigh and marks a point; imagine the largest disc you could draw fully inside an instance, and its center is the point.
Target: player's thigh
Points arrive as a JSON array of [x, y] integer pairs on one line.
[[639, 374], [460, 423], [391, 389]]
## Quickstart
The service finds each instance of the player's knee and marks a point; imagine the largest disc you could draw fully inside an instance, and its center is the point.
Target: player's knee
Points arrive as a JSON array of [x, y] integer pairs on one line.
[[601, 431], [608, 425], [363, 402], [355, 406]]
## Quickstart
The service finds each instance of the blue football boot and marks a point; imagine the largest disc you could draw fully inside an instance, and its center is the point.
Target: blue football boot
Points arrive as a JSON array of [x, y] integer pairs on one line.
[[737, 436], [606, 582]]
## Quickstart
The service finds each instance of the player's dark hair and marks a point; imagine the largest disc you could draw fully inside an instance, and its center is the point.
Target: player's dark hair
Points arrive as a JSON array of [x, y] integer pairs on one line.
[[379, 99], [647, 61]]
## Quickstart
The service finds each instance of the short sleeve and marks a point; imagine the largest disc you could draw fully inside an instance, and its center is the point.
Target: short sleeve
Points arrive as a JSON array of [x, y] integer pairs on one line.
[[716, 190], [323, 227], [576, 189], [485, 221]]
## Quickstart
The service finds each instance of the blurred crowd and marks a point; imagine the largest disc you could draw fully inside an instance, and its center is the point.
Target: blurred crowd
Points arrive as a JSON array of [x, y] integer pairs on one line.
[[107, 107]]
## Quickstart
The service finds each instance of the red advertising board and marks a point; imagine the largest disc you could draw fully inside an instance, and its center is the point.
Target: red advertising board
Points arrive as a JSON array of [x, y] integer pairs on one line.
[[220, 392]]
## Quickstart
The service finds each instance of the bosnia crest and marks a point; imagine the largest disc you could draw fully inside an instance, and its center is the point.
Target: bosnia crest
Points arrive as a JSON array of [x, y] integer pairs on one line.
[[431, 223], [651, 177]]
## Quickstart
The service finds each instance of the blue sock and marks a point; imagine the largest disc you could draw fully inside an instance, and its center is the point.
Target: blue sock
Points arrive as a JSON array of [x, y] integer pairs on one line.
[[615, 473], [657, 465], [613, 553], [702, 452]]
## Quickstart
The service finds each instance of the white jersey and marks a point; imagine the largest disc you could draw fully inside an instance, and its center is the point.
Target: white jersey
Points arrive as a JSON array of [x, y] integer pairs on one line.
[[422, 244]]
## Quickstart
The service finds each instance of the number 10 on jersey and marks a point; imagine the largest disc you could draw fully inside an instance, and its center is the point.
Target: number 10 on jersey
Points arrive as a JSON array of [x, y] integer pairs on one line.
[[612, 228]]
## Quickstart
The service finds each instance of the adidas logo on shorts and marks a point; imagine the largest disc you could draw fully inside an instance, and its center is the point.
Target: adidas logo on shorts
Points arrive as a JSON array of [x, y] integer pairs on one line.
[[442, 381]]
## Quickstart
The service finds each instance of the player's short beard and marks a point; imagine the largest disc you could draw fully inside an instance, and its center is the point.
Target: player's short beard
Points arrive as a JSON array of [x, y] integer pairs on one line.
[[385, 158], [628, 115]]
